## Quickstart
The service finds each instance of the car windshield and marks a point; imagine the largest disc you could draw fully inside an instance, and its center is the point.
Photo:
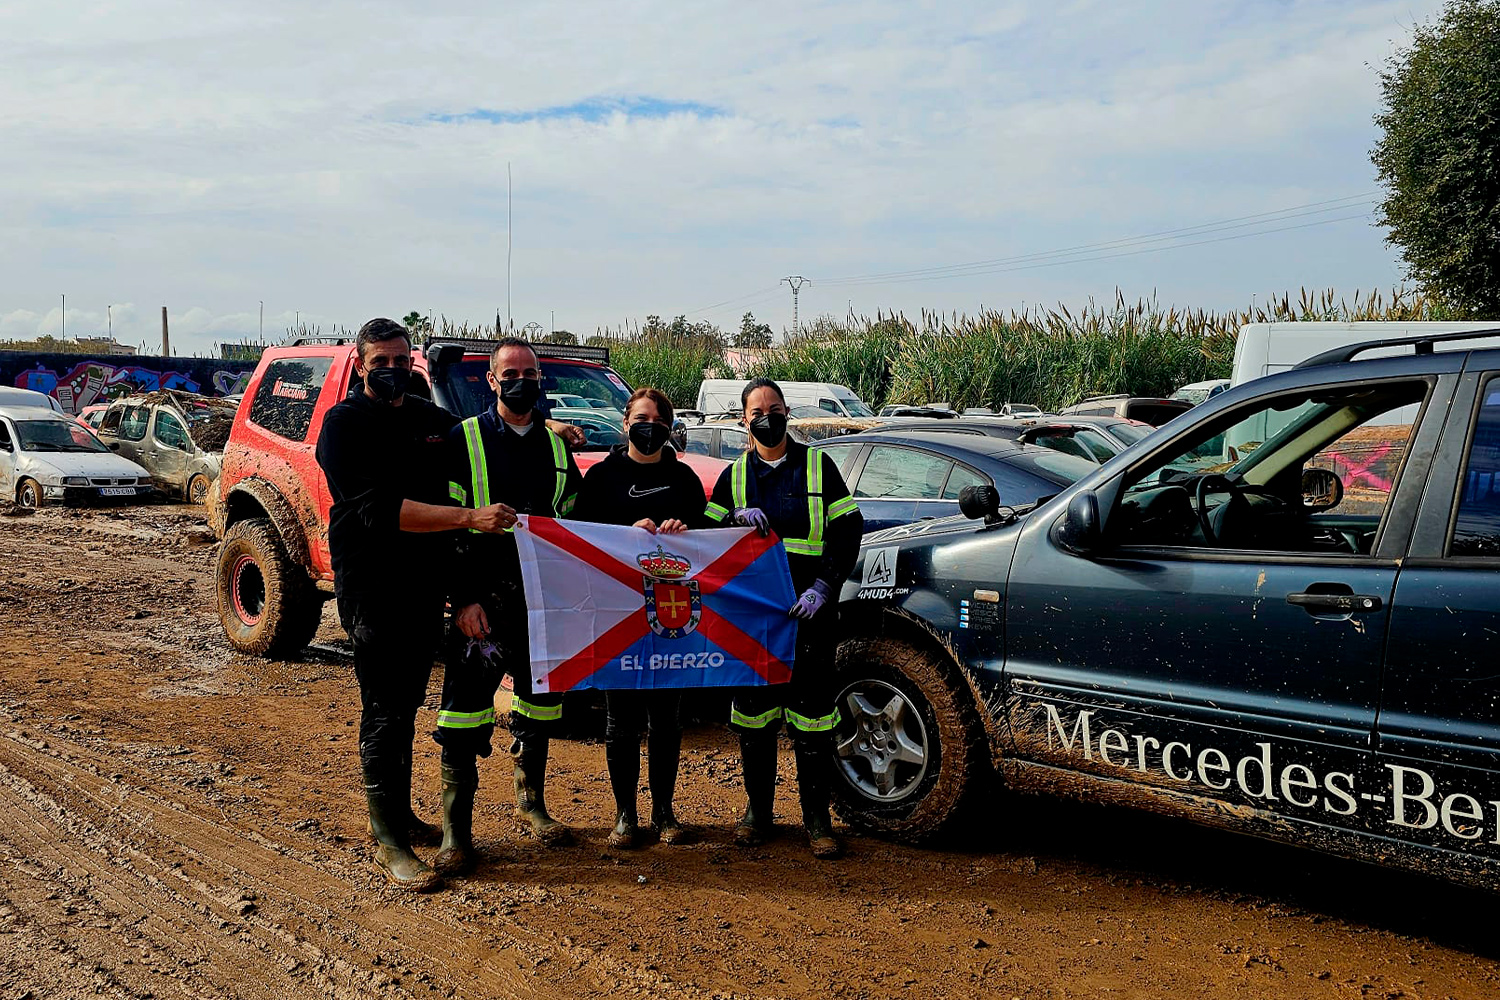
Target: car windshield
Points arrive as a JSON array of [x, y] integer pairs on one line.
[[467, 391], [1128, 432], [599, 430], [855, 407], [57, 435]]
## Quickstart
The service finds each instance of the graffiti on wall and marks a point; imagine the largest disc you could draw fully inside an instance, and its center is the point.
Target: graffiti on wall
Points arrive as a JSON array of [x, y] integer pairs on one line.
[[78, 381]]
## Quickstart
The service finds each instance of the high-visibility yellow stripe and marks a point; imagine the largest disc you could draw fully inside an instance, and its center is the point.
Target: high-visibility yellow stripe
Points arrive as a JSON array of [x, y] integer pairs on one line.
[[479, 494], [714, 512], [761, 721], [458, 493], [738, 476], [466, 720], [820, 724], [839, 508], [560, 463], [542, 713]]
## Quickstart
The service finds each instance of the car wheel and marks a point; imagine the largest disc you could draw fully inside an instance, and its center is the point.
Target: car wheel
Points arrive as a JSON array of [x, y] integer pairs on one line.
[[197, 489], [910, 750], [29, 494], [267, 604]]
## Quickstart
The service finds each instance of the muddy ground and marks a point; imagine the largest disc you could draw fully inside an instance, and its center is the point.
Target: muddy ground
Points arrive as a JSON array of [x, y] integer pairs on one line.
[[180, 821]]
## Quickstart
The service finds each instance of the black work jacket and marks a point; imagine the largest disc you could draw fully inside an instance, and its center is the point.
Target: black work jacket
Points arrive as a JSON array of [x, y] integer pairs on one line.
[[781, 492], [374, 456], [522, 474]]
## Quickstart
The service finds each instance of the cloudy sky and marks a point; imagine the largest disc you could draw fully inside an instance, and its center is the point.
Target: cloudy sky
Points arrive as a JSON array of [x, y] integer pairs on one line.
[[676, 158]]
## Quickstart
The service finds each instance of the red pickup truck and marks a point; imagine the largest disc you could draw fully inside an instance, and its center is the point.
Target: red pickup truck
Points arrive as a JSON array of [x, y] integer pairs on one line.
[[270, 504]]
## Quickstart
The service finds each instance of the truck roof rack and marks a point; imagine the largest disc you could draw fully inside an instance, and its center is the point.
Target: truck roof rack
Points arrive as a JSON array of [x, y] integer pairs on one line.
[[483, 345], [1422, 342], [338, 339]]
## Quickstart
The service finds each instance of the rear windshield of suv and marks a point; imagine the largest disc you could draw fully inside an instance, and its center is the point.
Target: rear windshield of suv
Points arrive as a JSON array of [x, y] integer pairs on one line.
[[467, 391], [287, 395]]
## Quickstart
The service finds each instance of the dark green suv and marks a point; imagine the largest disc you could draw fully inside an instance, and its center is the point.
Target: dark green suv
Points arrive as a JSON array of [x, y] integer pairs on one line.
[[1280, 614]]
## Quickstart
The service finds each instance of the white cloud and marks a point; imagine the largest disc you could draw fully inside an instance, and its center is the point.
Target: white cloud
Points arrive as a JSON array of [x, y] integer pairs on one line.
[[209, 158]]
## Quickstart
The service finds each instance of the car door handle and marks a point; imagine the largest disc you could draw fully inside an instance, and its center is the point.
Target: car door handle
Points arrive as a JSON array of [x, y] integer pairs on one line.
[[1342, 604]]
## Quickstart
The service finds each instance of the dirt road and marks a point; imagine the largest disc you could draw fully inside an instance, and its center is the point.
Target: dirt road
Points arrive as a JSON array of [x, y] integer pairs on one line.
[[179, 821]]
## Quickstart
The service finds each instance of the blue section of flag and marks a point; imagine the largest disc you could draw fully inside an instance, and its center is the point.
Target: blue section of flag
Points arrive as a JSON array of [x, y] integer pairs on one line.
[[755, 602]]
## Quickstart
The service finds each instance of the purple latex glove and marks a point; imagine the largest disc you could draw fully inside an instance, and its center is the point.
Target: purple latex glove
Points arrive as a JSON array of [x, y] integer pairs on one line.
[[753, 517], [811, 601], [483, 649]]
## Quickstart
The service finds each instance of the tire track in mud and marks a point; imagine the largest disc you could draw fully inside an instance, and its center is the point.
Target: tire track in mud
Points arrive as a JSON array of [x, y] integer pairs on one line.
[[233, 914]]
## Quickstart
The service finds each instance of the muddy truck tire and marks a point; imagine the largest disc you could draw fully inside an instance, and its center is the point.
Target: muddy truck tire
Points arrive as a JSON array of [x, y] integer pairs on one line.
[[267, 604], [910, 749]]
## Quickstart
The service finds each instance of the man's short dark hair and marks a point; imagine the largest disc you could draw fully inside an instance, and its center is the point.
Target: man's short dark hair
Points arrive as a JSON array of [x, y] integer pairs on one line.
[[505, 342], [378, 331]]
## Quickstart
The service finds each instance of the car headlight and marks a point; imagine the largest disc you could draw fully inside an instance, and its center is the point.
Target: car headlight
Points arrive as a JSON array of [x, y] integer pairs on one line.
[[144, 481], [75, 481]]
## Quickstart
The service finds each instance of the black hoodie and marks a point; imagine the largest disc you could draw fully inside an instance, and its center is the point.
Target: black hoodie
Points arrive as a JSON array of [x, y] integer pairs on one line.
[[620, 490]]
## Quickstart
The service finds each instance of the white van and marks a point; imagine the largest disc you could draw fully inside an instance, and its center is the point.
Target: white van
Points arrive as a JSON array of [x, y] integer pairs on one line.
[[28, 397], [1268, 348], [722, 395]]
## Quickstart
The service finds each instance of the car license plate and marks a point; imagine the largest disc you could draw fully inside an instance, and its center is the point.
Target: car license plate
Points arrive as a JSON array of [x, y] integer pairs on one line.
[[117, 491]]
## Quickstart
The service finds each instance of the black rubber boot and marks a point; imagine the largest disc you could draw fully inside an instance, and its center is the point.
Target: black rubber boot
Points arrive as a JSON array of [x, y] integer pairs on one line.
[[457, 855], [813, 761], [758, 760], [623, 759], [664, 751], [403, 869], [419, 831], [531, 799]]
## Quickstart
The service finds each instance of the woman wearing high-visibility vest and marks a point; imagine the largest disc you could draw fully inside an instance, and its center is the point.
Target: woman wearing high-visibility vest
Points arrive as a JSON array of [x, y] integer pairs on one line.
[[781, 485], [643, 484]]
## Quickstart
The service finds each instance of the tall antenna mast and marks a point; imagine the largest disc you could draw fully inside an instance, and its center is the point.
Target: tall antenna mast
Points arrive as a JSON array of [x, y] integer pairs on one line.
[[508, 323], [796, 281]]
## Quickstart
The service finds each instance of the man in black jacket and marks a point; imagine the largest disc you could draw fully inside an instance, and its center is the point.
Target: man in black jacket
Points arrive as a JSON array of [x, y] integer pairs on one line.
[[381, 450]]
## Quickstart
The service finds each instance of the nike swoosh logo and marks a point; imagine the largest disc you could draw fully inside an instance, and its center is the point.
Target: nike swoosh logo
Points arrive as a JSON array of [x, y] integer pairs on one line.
[[646, 493]]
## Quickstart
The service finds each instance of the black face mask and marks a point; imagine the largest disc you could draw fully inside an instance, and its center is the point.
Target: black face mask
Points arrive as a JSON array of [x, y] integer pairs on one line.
[[648, 436], [520, 394], [769, 428], [388, 384]]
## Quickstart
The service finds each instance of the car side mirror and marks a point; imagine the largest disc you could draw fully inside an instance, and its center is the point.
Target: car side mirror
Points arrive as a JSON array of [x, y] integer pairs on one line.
[[1321, 489], [984, 502], [1080, 531]]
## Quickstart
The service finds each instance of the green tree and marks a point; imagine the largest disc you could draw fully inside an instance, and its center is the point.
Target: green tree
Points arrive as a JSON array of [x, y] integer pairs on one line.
[[561, 337], [417, 323], [1437, 157], [752, 334]]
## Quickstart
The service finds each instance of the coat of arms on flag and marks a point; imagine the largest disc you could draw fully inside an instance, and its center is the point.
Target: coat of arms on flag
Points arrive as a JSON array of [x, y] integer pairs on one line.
[[620, 608]]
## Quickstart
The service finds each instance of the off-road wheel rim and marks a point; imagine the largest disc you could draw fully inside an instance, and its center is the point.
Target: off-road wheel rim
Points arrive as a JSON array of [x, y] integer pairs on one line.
[[248, 589], [882, 743], [29, 496], [198, 490]]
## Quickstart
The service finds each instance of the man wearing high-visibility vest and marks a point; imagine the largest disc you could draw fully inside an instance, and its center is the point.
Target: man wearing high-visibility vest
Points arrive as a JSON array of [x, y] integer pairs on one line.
[[782, 485], [506, 455]]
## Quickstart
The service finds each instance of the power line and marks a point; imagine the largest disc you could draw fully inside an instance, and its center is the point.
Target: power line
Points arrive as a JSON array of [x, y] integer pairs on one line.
[[1222, 225], [763, 293]]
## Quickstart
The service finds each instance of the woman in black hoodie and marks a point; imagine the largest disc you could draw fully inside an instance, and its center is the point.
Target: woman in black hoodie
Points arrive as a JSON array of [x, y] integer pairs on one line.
[[643, 485]]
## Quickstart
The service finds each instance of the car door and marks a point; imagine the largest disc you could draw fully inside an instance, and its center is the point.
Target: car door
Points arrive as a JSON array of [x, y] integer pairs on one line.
[[899, 485], [1217, 644], [1438, 736], [167, 451], [7, 461], [130, 435]]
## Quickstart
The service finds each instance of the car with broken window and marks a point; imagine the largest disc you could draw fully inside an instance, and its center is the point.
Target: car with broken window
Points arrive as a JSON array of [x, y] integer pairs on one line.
[[47, 456], [177, 436], [1276, 614]]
